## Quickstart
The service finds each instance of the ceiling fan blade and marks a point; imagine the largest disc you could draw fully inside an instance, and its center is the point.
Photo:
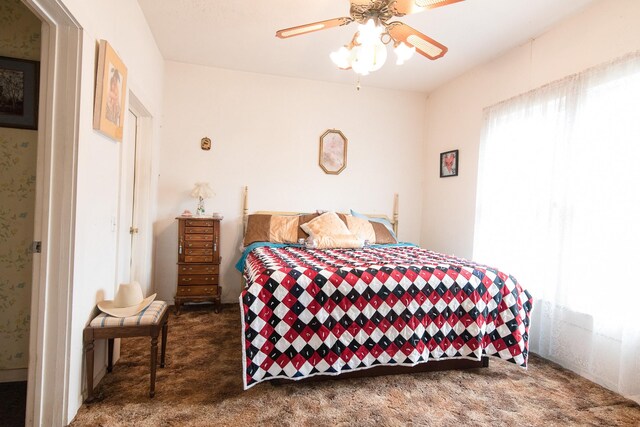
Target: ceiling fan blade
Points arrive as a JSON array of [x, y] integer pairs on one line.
[[426, 46], [314, 26], [405, 7]]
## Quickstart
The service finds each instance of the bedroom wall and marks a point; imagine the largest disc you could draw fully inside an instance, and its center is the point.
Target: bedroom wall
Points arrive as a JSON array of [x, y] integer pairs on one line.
[[606, 30], [19, 38], [265, 132], [123, 25]]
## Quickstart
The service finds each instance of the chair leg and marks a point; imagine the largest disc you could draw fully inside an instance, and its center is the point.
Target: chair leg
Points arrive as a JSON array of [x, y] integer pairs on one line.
[[88, 354], [110, 355], [163, 349], [154, 361]]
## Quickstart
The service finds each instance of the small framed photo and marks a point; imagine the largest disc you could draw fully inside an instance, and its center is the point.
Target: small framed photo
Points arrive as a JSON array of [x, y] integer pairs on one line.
[[19, 84], [449, 163], [333, 152], [111, 91]]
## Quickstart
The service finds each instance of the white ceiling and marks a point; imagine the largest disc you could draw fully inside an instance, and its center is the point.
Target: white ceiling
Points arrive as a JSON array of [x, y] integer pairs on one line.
[[240, 35]]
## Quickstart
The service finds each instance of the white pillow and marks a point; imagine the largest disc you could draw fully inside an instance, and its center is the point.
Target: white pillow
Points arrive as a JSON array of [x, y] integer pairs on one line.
[[327, 224]]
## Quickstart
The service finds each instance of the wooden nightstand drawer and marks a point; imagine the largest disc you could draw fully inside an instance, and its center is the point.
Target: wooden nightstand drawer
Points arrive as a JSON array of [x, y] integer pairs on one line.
[[199, 223], [199, 269], [192, 244], [184, 291], [198, 258], [198, 237], [199, 252], [198, 230], [198, 280]]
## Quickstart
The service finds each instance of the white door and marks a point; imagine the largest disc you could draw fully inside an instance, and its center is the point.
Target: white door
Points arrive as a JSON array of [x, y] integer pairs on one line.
[[127, 228]]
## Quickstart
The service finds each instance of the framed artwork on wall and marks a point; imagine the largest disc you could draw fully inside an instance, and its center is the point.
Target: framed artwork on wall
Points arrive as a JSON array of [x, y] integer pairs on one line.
[[111, 91], [333, 152], [449, 162], [19, 84]]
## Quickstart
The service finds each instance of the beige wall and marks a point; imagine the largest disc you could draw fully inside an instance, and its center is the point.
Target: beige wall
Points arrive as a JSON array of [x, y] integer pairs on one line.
[[19, 38], [265, 132], [606, 30]]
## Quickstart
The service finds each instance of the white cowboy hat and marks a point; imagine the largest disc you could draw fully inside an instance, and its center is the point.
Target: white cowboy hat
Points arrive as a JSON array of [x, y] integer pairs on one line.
[[128, 301]]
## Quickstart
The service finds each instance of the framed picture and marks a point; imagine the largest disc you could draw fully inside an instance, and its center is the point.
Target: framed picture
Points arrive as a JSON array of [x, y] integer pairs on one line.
[[19, 84], [449, 163], [333, 152], [111, 91]]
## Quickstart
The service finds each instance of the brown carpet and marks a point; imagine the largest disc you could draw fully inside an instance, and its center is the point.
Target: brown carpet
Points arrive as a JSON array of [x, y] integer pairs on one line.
[[202, 385]]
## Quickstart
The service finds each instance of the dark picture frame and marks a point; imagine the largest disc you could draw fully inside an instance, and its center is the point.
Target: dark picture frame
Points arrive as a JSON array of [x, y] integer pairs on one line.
[[19, 86], [449, 163]]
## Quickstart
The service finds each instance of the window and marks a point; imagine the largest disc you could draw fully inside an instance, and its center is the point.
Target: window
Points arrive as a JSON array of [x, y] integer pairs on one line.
[[559, 207]]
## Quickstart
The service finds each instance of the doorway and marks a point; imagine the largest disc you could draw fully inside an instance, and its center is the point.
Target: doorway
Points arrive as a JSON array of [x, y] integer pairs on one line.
[[54, 222], [20, 49], [134, 230]]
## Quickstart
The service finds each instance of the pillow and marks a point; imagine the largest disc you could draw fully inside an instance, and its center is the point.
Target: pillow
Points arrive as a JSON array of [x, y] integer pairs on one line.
[[361, 228], [283, 229], [330, 241], [382, 228], [301, 220], [271, 228], [326, 224]]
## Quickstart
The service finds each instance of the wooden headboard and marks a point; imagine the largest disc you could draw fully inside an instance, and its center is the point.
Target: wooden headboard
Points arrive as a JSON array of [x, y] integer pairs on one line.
[[245, 212]]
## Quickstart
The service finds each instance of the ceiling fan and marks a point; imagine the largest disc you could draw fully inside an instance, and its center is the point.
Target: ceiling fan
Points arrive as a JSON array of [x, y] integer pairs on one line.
[[367, 51]]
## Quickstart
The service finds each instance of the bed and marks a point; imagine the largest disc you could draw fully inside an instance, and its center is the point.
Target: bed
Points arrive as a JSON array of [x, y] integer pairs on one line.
[[329, 311]]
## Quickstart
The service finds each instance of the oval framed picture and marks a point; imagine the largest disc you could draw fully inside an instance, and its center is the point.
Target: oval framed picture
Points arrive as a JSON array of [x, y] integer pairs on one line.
[[333, 152]]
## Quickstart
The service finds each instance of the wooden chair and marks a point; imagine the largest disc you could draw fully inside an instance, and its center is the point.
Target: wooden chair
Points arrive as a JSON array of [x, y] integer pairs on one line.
[[149, 323]]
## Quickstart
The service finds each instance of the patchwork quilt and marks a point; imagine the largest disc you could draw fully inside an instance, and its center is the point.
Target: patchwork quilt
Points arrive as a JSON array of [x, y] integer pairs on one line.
[[308, 311]]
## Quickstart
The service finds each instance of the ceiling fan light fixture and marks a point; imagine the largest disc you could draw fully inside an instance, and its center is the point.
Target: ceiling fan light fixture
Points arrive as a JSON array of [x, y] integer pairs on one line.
[[370, 32], [403, 52], [369, 57], [367, 50]]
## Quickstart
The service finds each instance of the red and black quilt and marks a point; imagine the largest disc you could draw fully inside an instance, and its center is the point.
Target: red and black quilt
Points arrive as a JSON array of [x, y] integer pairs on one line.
[[327, 311]]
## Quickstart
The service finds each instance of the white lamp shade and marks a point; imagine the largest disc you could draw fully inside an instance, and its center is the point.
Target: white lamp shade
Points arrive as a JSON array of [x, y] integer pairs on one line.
[[369, 57], [202, 189], [342, 58], [404, 53]]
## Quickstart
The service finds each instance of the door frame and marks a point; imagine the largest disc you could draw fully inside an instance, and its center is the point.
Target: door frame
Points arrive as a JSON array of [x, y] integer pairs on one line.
[[51, 300]]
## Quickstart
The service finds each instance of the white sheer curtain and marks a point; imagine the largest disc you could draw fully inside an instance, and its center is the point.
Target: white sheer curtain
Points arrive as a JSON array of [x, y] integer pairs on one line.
[[559, 207]]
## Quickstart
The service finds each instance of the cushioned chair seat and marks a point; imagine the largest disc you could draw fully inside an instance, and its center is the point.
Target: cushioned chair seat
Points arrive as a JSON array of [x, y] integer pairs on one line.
[[148, 316]]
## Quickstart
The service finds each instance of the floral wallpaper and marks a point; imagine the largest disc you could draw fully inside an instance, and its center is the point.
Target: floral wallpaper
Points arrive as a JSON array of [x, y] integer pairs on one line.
[[19, 38]]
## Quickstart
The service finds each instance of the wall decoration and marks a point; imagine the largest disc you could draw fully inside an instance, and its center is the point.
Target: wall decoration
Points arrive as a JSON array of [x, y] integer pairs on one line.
[[333, 152], [19, 83], [205, 143], [449, 162], [111, 91]]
